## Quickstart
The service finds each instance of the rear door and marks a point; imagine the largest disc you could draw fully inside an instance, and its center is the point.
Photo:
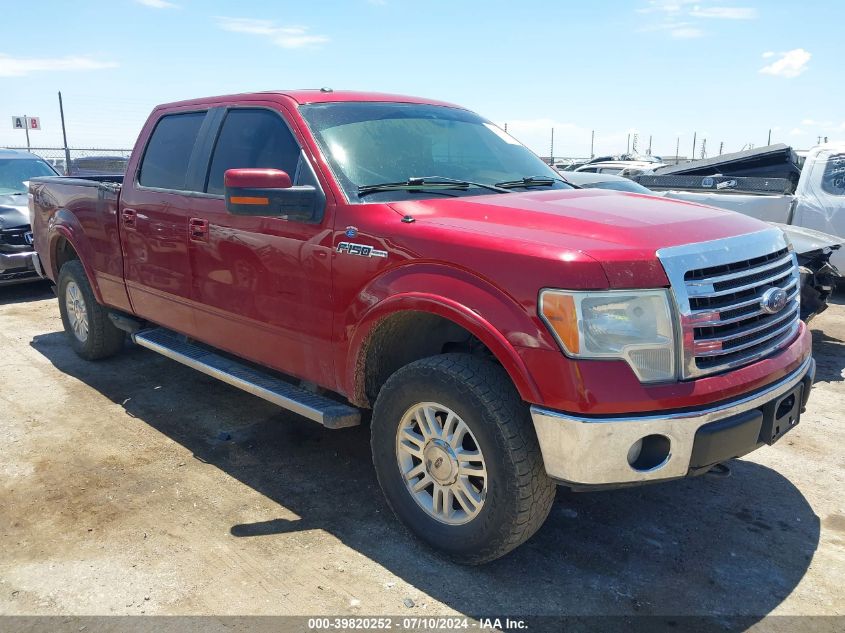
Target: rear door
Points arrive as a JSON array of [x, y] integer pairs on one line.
[[262, 284], [154, 215]]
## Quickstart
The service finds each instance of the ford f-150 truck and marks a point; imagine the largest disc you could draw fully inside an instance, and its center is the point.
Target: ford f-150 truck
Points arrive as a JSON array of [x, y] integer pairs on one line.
[[339, 252]]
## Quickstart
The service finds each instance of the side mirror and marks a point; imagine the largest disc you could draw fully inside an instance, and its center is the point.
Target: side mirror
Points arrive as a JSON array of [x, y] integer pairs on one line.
[[267, 192]]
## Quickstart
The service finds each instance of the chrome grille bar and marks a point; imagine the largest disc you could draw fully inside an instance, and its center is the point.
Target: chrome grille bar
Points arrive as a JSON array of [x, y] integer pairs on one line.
[[720, 289]]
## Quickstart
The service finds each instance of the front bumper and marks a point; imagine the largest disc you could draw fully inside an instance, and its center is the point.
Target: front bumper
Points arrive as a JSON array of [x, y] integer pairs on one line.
[[597, 451], [19, 267]]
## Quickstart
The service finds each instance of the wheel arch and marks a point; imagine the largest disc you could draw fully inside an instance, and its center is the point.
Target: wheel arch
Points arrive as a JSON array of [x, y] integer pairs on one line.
[[67, 241], [388, 324]]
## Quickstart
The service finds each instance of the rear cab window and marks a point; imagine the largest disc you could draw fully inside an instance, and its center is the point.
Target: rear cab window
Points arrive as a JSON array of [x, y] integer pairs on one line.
[[169, 150]]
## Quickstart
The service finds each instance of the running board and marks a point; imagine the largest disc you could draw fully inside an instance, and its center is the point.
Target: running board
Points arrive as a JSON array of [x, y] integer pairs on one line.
[[329, 413]]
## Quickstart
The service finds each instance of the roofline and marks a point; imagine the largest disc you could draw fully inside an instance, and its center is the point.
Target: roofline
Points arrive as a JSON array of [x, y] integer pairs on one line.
[[310, 96]]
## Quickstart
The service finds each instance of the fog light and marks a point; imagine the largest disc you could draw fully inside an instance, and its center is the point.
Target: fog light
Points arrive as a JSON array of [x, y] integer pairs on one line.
[[649, 452]]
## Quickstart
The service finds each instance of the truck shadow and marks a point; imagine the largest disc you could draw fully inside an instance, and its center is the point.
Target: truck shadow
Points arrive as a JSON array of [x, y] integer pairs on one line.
[[22, 293], [735, 546]]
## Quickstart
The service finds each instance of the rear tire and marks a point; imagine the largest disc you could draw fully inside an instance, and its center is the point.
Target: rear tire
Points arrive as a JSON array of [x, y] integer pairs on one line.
[[91, 333], [457, 458]]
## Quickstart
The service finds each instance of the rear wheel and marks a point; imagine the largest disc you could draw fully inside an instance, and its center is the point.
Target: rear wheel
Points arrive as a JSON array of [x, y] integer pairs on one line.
[[457, 458], [89, 330]]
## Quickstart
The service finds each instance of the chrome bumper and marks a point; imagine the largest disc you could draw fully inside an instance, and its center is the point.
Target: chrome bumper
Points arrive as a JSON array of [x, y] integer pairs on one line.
[[595, 451], [11, 261]]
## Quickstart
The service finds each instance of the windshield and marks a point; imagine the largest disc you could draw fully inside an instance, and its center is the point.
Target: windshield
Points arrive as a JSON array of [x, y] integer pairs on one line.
[[15, 171], [373, 143]]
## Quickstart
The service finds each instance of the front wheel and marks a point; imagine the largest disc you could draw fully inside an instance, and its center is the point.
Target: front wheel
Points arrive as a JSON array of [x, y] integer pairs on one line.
[[87, 325], [457, 458]]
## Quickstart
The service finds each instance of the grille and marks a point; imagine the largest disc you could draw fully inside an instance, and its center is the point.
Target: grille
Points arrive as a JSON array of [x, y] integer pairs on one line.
[[14, 237], [723, 321]]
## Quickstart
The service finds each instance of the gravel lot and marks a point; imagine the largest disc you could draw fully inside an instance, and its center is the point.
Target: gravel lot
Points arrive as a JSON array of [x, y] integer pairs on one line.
[[136, 485]]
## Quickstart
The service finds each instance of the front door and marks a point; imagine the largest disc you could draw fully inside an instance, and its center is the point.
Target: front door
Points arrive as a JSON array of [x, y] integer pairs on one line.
[[262, 285]]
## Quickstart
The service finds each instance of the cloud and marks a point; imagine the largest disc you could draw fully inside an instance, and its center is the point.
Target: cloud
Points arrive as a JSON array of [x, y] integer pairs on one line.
[[676, 30], [796, 131], [724, 13], [685, 33], [22, 66], [789, 64], [158, 4], [284, 36], [665, 6], [681, 19]]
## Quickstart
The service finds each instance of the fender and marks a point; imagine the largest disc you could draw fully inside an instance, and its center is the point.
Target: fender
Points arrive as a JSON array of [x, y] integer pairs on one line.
[[489, 314], [65, 224]]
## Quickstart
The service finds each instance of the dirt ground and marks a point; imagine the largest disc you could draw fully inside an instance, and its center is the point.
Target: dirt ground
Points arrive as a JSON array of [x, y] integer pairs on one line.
[[136, 485]]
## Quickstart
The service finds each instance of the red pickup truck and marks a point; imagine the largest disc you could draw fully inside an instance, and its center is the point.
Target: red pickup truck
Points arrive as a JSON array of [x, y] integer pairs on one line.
[[340, 252]]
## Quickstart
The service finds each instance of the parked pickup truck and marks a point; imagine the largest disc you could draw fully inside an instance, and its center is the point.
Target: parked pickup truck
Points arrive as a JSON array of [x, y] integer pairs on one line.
[[339, 252]]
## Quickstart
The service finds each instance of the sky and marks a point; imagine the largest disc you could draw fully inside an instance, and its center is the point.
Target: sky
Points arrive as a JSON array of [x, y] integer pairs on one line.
[[726, 71]]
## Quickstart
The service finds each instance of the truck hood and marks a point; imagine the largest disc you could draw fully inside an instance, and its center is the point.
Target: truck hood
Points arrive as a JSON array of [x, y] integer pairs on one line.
[[13, 211], [621, 231]]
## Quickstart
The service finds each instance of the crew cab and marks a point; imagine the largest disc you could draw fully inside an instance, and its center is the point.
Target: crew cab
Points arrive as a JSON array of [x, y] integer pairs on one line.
[[342, 252]]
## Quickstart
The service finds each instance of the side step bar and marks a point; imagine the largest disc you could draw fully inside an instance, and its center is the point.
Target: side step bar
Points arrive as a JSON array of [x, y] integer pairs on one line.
[[329, 413]]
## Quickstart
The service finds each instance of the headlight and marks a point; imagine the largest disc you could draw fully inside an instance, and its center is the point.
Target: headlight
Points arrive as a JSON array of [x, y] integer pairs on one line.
[[635, 326]]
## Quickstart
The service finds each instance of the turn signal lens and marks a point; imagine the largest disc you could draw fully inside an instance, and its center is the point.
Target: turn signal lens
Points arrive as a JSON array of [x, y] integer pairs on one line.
[[559, 313]]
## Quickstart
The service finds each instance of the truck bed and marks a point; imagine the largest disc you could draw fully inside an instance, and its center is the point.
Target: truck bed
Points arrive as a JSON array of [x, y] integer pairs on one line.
[[86, 209]]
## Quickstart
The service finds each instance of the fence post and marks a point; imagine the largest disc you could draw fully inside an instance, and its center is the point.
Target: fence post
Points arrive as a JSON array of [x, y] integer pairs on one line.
[[64, 135]]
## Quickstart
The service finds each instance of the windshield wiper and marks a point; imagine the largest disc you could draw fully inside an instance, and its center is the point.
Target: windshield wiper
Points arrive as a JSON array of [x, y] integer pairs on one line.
[[427, 183], [530, 181]]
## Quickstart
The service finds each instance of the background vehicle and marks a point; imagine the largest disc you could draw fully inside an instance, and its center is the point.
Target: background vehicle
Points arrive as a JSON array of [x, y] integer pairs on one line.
[[97, 165], [16, 168], [813, 248], [592, 180], [338, 251], [812, 198], [624, 165]]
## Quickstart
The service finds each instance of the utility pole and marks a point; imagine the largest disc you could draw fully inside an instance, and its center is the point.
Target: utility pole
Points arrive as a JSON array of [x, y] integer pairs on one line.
[[721, 147], [64, 135], [552, 149], [649, 145], [636, 142], [628, 149], [704, 148], [769, 142], [592, 144], [26, 129], [694, 135], [678, 150]]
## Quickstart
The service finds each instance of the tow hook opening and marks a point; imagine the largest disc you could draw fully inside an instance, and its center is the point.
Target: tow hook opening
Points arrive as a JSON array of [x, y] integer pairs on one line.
[[649, 452]]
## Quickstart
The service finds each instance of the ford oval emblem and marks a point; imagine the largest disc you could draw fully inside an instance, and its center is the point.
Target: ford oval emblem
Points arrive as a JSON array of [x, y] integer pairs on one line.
[[351, 231], [773, 300]]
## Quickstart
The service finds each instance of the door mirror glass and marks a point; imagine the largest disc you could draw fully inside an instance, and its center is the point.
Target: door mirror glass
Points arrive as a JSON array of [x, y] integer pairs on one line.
[[268, 192]]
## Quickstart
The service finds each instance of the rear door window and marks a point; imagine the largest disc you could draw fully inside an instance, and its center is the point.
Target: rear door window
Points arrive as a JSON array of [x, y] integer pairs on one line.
[[168, 153], [252, 138]]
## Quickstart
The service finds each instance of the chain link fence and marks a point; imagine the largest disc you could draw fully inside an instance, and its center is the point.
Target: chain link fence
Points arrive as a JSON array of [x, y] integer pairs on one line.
[[84, 161]]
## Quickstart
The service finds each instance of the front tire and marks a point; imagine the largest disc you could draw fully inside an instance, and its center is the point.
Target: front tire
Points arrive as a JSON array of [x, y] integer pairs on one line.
[[457, 457], [90, 332]]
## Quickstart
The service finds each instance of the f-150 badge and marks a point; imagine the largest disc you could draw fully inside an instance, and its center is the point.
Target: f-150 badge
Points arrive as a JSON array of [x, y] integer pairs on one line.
[[361, 250]]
